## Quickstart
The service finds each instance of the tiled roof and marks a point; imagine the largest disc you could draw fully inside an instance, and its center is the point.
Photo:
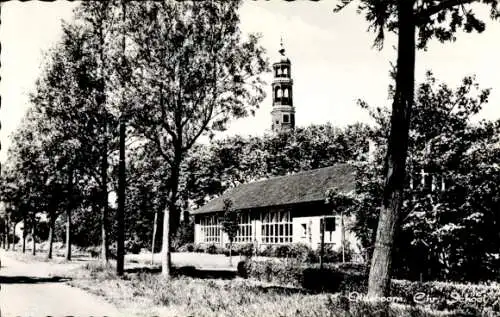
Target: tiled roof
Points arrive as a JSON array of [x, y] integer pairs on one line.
[[309, 186]]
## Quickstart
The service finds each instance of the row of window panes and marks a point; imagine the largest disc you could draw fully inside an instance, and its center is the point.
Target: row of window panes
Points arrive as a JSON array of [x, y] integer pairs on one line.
[[276, 217], [277, 227], [281, 71], [244, 228], [211, 229], [209, 221], [282, 93], [277, 233], [244, 233], [211, 233]]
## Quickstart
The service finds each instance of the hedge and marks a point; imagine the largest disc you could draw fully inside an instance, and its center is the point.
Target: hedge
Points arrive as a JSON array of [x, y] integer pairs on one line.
[[332, 277]]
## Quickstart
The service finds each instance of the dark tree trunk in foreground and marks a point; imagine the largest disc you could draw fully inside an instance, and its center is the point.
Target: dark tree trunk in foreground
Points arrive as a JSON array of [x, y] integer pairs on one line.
[[52, 222], [379, 279]]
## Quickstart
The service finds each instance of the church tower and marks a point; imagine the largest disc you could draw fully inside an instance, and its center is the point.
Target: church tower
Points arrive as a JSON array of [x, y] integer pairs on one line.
[[283, 113]]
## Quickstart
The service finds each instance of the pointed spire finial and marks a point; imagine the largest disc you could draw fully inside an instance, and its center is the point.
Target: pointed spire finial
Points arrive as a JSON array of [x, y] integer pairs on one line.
[[282, 49]]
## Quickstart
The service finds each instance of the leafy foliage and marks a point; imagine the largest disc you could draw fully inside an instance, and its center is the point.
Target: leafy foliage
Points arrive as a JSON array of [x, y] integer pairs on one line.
[[448, 230]]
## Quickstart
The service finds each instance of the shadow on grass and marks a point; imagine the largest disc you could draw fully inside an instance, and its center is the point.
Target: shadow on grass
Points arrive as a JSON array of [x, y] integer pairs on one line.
[[31, 279], [281, 290], [189, 271]]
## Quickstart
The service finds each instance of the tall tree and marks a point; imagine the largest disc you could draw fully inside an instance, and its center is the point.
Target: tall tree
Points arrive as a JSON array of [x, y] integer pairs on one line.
[[229, 223], [196, 74], [429, 19]]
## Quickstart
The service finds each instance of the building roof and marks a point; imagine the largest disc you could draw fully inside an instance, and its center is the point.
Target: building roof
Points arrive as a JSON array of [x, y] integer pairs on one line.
[[304, 187]]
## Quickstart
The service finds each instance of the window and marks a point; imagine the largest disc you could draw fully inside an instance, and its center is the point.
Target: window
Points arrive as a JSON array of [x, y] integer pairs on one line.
[[292, 119], [276, 227], [330, 225], [285, 94], [211, 229], [285, 118], [285, 71], [304, 230], [245, 233], [280, 93]]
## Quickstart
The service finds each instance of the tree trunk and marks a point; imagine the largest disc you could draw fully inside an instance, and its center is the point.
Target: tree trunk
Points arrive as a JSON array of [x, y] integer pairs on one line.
[[169, 215], [104, 162], [379, 279], [52, 222], [68, 235], [33, 232], [7, 233], [14, 236], [24, 237], [25, 225], [120, 243], [104, 203], [166, 261], [121, 203], [4, 242], [155, 226], [322, 243], [343, 235], [68, 216]]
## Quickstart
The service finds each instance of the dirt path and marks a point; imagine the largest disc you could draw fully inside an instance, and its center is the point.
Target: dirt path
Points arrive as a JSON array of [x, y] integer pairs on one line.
[[28, 290]]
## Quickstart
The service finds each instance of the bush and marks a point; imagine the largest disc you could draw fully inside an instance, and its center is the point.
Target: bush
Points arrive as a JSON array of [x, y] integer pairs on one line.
[[304, 253], [309, 276], [246, 249], [188, 247], [298, 251], [94, 251], [184, 235], [215, 249], [133, 246]]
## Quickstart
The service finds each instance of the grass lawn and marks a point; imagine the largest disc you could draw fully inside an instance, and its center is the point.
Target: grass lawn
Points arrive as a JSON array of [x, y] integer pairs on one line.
[[148, 294], [144, 293]]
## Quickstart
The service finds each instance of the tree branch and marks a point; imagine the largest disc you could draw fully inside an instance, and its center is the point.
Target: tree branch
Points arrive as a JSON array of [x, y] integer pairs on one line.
[[423, 15]]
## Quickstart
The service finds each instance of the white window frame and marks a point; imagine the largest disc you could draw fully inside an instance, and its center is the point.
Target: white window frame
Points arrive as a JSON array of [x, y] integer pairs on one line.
[[277, 227], [245, 228], [211, 229]]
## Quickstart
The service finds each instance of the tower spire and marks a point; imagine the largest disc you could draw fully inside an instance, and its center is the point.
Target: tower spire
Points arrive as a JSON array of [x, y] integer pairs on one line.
[[282, 47]]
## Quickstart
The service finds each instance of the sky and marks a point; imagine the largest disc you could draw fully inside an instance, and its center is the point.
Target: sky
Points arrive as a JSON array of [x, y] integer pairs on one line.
[[333, 61]]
